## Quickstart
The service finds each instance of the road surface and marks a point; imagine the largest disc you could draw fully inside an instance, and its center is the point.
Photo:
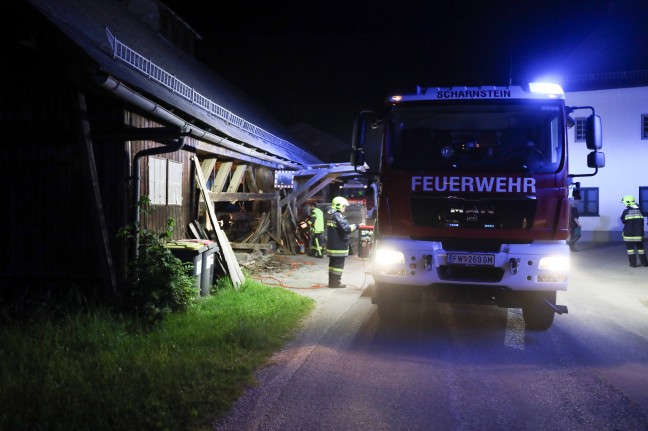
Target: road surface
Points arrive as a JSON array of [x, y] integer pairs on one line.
[[458, 367]]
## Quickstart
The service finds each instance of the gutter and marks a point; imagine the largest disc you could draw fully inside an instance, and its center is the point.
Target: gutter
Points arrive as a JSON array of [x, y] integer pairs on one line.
[[249, 153]]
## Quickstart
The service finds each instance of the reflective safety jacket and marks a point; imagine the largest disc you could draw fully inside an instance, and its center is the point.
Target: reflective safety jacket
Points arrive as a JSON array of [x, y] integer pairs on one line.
[[316, 220], [338, 229], [633, 224]]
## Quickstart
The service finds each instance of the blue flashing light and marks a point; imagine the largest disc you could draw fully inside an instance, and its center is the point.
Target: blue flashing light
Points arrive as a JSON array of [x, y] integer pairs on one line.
[[551, 90]]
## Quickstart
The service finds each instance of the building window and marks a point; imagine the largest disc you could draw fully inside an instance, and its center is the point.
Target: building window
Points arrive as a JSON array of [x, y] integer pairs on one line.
[[643, 199], [174, 196], [157, 181], [165, 182], [579, 130], [588, 206], [644, 126]]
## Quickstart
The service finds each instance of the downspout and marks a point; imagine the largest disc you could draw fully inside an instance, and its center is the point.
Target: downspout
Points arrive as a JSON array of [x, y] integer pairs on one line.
[[177, 145]]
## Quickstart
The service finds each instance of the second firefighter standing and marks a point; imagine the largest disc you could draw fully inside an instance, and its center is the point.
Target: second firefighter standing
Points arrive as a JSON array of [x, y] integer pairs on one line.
[[316, 224], [633, 231], [338, 230]]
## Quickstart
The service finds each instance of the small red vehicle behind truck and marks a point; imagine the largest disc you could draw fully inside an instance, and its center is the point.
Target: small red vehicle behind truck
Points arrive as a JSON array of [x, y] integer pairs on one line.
[[473, 201]]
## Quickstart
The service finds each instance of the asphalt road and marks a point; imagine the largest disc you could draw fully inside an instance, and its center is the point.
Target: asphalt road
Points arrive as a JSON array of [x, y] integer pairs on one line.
[[458, 367]]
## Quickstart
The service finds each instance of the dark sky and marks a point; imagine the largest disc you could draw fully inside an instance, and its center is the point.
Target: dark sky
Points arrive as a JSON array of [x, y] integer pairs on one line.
[[321, 62]]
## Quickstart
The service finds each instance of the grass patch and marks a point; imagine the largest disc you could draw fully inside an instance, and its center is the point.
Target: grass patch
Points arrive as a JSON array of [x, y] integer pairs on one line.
[[97, 371]]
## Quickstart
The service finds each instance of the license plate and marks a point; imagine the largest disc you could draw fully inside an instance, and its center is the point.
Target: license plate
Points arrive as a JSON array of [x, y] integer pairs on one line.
[[471, 259]]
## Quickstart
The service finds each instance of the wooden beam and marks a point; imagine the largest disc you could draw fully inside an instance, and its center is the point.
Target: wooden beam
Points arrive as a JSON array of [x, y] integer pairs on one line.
[[207, 166], [99, 219], [293, 195], [234, 270], [221, 176], [231, 197], [251, 246], [236, 179], [250, 181]]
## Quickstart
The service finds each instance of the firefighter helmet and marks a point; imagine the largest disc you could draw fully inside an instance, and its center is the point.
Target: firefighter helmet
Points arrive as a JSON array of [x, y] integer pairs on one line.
[[629, 200], [338, 202]]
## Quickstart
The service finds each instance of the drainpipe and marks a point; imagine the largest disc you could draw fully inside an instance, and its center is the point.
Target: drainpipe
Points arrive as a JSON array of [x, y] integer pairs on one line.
[[177, 145]]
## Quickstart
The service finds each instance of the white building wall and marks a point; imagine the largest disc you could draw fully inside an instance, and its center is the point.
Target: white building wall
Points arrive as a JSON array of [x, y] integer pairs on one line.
[[626, 155]]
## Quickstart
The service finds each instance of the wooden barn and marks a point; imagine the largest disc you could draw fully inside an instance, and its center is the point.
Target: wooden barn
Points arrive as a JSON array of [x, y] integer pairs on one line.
[[103, 103]]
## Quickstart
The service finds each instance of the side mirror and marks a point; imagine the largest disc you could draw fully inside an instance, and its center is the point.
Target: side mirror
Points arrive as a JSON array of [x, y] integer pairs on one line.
[[596, 159], [357, 158], [359, 132], [593, 132], [359, 137], [570, 122]]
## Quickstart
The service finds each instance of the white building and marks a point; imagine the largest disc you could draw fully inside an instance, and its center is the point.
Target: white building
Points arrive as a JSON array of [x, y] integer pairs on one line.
[[624, 115]]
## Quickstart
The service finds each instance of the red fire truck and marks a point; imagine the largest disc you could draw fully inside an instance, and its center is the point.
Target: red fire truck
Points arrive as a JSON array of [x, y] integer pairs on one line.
[[473, 202]]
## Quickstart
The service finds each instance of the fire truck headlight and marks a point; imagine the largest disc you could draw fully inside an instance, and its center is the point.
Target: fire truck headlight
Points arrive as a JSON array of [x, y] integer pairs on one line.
[[388, 257], [554, 263]]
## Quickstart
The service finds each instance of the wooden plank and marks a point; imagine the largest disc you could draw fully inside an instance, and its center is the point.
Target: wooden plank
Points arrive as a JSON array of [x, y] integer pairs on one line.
[[221, 176], [207, 166], [202, 232], [251, 246], [234, 270], [99, 219], [194, 231], [229, 197], [279, 244], [236, 179], [250, 181]]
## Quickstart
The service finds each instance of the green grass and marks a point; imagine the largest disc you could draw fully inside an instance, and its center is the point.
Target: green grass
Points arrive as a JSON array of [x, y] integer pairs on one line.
[[94, 371]]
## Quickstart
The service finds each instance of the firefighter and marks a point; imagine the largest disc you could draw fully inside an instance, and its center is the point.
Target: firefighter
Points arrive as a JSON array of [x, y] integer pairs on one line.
[[633, 231], [338, 230], [316, 224]]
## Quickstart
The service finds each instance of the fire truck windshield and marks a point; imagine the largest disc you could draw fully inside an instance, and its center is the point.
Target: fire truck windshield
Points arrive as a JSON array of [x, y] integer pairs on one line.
[[481, 136]]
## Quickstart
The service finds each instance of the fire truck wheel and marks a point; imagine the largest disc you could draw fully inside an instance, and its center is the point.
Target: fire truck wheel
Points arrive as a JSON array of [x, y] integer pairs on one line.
[[538, 315], [388, 311], [388, 299]]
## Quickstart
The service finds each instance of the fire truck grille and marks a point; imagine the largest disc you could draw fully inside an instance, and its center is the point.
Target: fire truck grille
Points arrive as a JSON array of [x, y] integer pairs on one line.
[[473, 213]]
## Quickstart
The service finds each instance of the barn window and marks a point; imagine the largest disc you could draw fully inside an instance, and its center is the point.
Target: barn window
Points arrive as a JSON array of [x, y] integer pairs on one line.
[[175, 183], [165, 182], [157, 181]]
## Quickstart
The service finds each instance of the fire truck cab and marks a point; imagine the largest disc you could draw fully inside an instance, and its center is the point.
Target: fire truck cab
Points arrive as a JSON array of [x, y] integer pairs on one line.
[[473, 195]]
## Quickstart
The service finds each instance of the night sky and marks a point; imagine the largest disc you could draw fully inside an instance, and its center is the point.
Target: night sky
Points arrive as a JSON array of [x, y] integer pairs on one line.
[[321, 62]]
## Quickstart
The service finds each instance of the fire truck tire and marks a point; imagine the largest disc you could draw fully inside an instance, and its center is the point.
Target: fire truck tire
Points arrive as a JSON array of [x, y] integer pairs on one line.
[[390, 297], [388, 311], [538, 316]]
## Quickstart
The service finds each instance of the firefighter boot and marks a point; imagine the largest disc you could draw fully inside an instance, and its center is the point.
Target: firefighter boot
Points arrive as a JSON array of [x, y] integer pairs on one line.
[[644, 260], [334, 281], [633, 260]]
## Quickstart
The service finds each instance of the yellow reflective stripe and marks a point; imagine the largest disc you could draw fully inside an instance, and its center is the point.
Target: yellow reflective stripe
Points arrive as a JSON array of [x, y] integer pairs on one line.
[[632, 238]]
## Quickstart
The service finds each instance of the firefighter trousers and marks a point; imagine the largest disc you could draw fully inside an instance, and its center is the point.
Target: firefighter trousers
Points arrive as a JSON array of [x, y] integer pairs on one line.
[[336, 266], [316, 246]]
